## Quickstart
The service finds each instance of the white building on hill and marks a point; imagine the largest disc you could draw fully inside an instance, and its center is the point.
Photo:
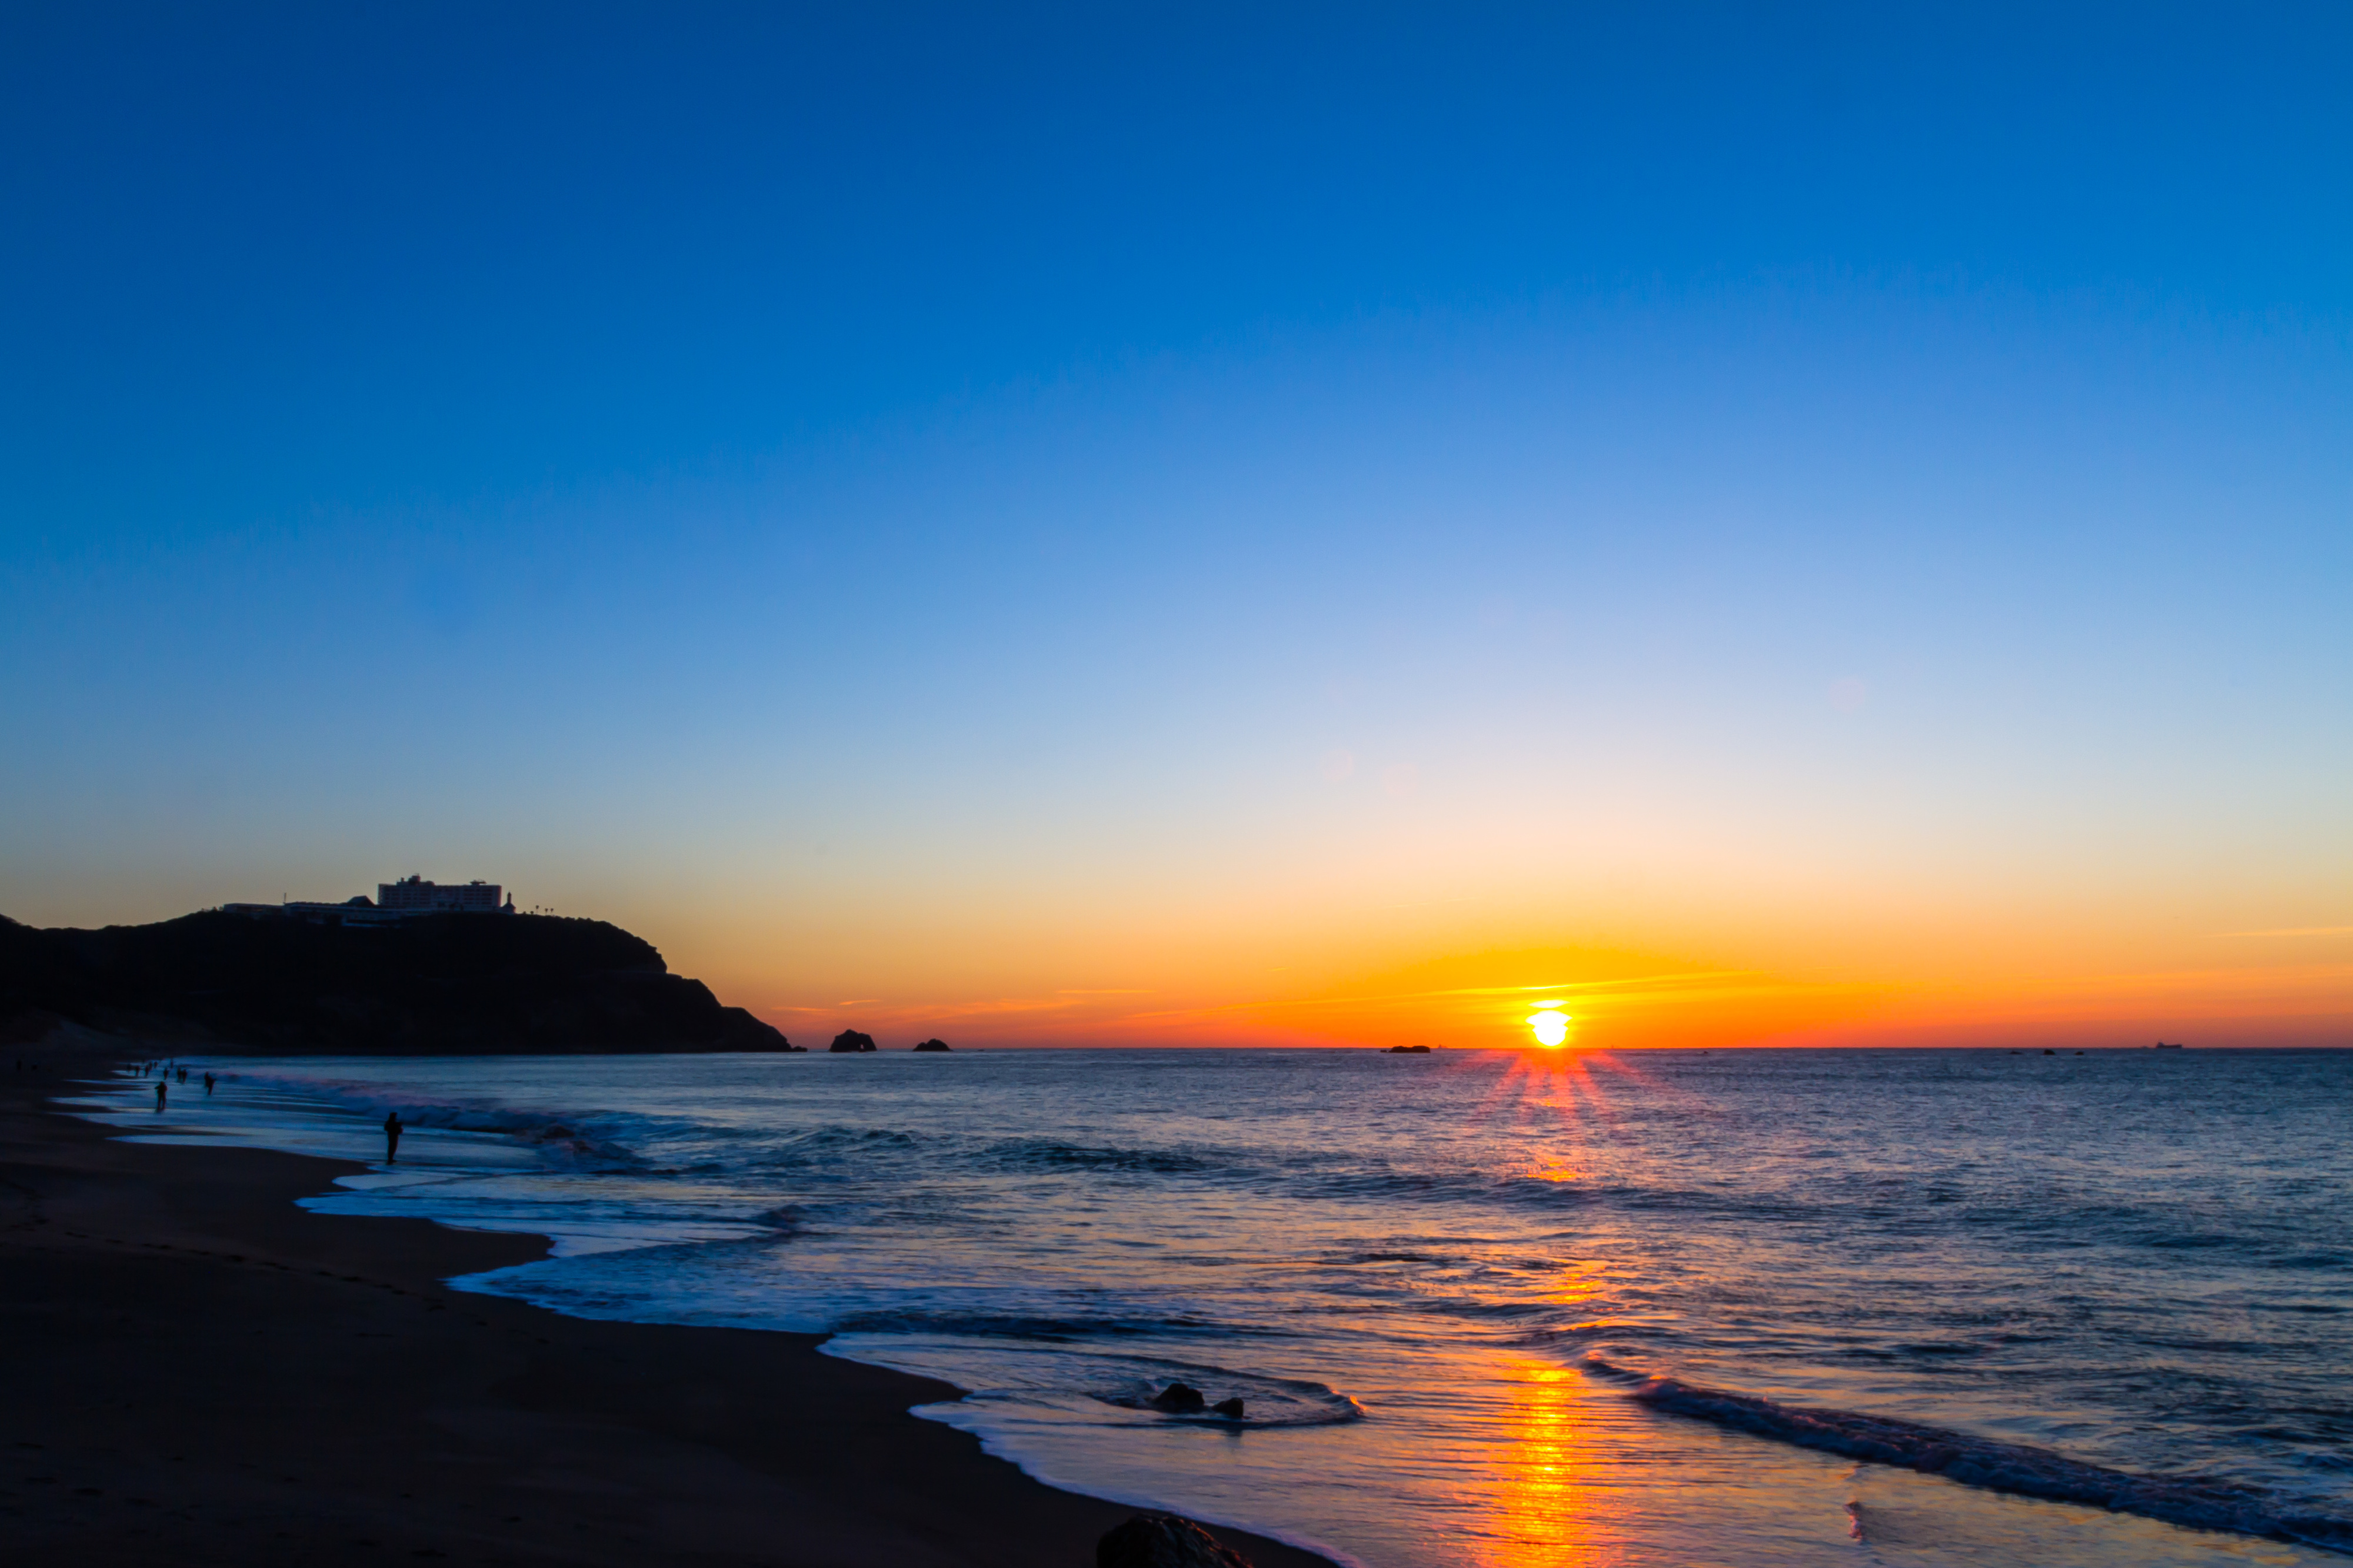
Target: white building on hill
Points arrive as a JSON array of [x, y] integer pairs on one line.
[[404, 899]]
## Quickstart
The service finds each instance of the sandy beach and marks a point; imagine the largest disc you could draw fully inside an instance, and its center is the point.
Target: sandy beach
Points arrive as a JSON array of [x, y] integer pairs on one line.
[[197, 1371]]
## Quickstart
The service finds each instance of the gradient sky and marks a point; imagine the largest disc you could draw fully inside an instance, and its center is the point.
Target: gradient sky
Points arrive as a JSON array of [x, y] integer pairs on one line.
[[1209, 525]]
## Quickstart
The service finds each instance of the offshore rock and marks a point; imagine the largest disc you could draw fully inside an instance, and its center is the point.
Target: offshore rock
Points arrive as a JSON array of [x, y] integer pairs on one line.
[[1408, 1050], [852, 1040], [1180, 1399], [1164, 1540], [933, 1046]]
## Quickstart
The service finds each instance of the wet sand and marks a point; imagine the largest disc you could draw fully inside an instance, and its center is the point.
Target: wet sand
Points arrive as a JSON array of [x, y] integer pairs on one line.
[[196, 1371]]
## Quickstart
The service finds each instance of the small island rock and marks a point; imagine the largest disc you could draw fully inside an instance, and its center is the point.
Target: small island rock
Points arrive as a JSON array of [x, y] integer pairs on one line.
[[1180, 1399], [852, 1040], [933, 1046], [1164, 1540]]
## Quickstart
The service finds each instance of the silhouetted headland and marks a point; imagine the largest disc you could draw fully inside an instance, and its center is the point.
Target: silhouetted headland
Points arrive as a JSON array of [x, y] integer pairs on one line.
[[431, 984]]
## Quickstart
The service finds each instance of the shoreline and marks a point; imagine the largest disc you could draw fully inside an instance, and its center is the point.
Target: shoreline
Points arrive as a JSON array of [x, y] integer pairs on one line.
[[201, 1370]]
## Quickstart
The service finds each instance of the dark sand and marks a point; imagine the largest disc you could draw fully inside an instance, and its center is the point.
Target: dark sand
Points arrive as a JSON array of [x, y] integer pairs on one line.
[[196, 1371]]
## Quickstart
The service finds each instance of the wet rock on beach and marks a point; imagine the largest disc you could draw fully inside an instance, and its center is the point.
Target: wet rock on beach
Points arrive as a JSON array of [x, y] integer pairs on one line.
[[1164, 1540]]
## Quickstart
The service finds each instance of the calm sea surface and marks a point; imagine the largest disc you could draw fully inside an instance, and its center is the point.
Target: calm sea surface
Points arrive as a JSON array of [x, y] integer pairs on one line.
[[1434, 1280]]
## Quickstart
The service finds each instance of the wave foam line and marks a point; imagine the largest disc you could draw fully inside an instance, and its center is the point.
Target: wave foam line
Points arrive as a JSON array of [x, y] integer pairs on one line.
[[2003, 1467], [550, 1133]]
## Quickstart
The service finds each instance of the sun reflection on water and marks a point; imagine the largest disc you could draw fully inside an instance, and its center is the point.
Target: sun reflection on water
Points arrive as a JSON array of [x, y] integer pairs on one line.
[[1547, 1484], [1562, 1100]]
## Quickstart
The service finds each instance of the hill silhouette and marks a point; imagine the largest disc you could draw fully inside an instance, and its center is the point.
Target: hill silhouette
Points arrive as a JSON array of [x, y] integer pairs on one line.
[[438, 985]]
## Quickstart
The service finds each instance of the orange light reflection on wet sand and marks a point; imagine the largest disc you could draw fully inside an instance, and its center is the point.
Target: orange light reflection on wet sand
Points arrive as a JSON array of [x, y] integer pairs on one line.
[[1548, 1492]]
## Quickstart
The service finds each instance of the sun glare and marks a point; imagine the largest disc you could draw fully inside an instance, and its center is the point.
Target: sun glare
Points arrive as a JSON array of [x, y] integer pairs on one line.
[[1551, 1026]]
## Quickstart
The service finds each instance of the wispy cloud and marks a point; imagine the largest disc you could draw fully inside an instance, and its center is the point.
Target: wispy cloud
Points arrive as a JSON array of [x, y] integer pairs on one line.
[[1060, 1000], [2296, 930], [1628, 983], [1680, 980], [1074, 1001], [1680, 985]]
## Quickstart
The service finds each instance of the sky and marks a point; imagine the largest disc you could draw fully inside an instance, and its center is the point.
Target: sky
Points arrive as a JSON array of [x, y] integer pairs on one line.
[[1156, 525]]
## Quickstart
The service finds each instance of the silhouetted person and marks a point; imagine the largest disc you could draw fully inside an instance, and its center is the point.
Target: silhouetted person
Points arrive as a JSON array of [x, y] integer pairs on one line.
[[159, 1094], [391, 1136], [208, 1083], [184, 1075]]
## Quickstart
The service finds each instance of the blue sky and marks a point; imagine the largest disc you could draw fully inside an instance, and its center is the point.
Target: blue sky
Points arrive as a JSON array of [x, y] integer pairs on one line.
[[932, 500]]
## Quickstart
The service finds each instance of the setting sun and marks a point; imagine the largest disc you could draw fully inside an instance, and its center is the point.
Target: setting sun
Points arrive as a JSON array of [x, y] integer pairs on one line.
[[1551, 1025]]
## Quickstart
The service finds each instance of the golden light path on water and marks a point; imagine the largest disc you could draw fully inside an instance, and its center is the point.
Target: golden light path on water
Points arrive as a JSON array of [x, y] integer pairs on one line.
[[1561, 1092], [1545, 1514], [1574, 1475], [1549, 1502]]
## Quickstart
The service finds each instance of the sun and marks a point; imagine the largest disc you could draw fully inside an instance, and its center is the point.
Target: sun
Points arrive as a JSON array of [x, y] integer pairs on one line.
[[1550, 1024]]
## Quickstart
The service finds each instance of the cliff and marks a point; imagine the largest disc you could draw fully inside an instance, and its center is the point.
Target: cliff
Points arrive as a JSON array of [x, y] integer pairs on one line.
[[451, 984]]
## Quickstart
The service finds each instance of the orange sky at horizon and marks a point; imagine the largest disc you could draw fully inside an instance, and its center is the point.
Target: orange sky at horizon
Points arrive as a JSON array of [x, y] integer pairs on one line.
[[1376, 940], [1277, 908], [2283, 988]]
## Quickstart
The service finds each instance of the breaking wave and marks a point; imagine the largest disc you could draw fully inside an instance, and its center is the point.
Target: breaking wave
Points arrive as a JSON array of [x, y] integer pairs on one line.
[[2000, 1466]]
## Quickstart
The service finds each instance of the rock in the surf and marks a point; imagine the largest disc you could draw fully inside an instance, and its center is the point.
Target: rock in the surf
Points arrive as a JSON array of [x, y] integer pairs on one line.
[[1180, 1399], [1164, 1540], [933, 1046], [852, 1040], [1232, 1409]]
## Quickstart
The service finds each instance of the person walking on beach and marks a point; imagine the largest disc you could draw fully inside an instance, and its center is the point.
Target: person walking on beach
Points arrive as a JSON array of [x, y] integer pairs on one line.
[[208, 1083], [159, 1096], [391, 1137], [184, 1075]]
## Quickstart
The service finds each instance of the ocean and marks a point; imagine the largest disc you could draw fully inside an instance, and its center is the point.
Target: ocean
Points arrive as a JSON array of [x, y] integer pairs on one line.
[[1446, 1287]]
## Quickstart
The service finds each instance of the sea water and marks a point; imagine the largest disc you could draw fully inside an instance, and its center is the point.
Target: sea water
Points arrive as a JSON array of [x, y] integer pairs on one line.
[[1435, 1281]]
